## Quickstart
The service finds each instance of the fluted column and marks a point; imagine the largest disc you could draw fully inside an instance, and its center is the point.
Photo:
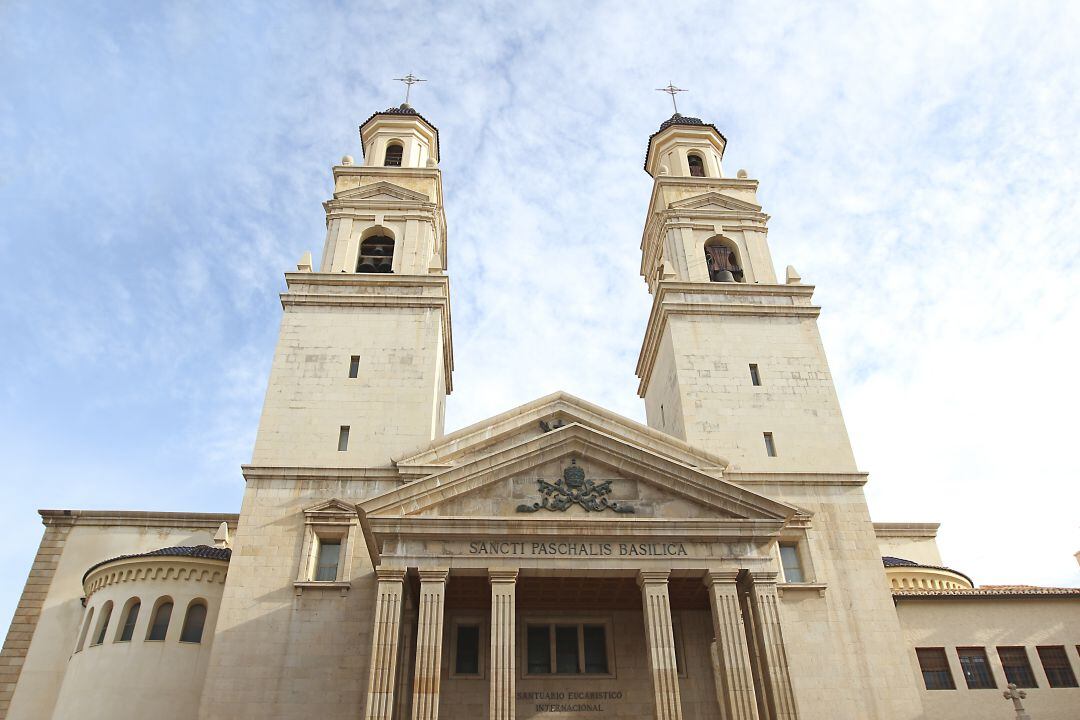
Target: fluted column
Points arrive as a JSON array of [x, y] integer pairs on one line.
[[735, 681], [501, 683], [384, 643], [429, 632], [780, 698], [660, 639]]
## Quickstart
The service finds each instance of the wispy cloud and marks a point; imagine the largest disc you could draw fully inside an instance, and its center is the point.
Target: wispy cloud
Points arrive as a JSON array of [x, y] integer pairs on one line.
[[161, 166]]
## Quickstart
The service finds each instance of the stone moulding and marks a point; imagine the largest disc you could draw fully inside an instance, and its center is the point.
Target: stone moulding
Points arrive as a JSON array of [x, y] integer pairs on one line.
[[156, 569]]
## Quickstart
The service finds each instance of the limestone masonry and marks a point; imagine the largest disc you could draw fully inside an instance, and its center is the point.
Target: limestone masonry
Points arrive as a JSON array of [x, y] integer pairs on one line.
[[557, 560]]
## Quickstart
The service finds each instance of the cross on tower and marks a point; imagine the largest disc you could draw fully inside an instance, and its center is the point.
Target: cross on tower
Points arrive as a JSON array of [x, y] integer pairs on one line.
[[1016, 696], [409, 81], [671, 90]]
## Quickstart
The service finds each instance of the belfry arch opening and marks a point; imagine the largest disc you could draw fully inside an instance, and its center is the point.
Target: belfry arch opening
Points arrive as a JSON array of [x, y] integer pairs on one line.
[[376, 253], [394, 152], [697, 165], [722, 259]]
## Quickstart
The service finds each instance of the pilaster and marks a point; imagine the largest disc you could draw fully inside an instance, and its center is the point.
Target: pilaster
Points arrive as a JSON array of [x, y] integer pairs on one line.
[[429, 635], [660, 641], [501, 683], [769, 637], [384, 643], [735, 681]]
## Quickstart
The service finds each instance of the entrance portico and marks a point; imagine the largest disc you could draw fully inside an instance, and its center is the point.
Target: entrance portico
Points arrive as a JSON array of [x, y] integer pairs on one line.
[[631, 586]]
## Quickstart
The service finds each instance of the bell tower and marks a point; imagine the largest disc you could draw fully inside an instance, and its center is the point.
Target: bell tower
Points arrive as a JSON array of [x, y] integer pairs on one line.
[[732, 361], [364, 359]]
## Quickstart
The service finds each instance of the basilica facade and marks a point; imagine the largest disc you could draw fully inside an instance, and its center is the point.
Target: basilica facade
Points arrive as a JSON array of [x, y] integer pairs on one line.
[[556, 560]]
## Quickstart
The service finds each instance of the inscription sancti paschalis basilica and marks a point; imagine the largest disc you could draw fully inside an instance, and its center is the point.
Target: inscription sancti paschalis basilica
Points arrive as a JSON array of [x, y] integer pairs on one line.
[[557, 560]]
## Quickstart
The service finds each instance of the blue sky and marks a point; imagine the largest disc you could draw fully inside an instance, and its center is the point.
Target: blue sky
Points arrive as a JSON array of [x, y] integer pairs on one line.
[[161, 166]]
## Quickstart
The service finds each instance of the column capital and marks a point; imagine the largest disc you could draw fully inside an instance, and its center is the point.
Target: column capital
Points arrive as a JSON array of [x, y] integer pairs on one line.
[[653, 577], [499, 575], [390, 573], [433, 575], [762, 578], [721, 577]]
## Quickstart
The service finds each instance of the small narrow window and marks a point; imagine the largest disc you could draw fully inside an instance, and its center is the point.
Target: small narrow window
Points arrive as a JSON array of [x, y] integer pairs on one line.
[[354, 366], [770, 445], [329, 559], [128, 630], [663, 418], [467, 650], [103, 623], [1055, 662], [194, 621], [935, 669], [595, 646], [393, 155], [976, 667], [697, 165], [755, 376], [160, 625], [538, 650], [789, 559], [1014, 661], [85, 629], [343, 438]]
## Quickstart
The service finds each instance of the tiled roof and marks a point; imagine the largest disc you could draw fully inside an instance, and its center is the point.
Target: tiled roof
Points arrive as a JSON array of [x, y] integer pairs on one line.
[[403, 109], [678, 119], [195, 551], [890, 561], [991, 591]]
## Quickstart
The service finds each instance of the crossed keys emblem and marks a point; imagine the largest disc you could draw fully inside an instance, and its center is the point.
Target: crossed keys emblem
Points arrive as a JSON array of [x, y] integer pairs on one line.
[[574, 489]]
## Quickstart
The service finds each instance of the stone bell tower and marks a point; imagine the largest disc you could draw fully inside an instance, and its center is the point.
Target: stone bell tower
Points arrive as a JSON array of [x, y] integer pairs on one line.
[[364, 360], [732, 361]]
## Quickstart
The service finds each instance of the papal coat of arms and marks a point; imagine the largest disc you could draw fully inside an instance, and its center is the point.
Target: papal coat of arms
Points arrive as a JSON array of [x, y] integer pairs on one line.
[[575, 489]]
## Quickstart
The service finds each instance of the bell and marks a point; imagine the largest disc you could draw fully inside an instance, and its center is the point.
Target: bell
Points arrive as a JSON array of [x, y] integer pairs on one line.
[[366, 267], [724, 276]]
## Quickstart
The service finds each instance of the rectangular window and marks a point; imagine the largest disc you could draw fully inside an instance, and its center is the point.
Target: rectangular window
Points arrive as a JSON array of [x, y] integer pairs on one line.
[[976, 668], [770, 445], [789, 559], [354, 366], [329, 557], [755, 376], [1014, 661], [539, 649], [567, 649], [935, 669], [467, 650], [343, 438], [1055, 662]]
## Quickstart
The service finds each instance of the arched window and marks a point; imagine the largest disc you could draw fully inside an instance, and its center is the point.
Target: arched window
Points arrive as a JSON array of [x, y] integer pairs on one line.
[[159, 623], [127, 630], [85, 629], [697, 165], [393, 155], [103, 624], [723, 263], [193, 622], [376, 255]]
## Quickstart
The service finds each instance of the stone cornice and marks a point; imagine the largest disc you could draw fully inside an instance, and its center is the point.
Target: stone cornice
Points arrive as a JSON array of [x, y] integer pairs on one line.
[[717, 299], [906, 530], [807, 479], [157, 568], [272, 472], [136, 518], [376, 290]]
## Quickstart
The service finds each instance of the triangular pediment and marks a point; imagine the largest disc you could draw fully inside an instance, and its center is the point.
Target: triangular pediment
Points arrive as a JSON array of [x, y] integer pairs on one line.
[[616, 478], [331, 506], [382, 190], [715, 201], [539, 417]]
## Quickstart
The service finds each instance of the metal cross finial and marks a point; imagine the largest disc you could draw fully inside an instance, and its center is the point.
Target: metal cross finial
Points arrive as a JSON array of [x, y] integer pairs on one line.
[[1016, 696], [409, 81], [671, 90]]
